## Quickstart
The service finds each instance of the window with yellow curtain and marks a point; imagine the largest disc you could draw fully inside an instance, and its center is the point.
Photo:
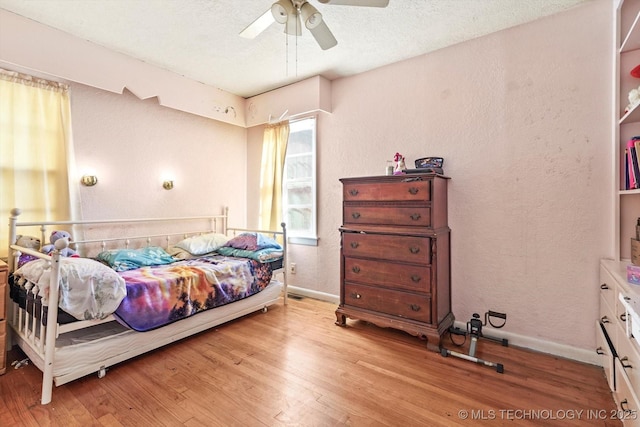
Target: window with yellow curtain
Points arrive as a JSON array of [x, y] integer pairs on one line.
[[35, 150], [274, 149]]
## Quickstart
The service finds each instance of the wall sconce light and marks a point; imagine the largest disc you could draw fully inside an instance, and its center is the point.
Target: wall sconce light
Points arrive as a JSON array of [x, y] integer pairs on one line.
[[89, 180], [167, 185]]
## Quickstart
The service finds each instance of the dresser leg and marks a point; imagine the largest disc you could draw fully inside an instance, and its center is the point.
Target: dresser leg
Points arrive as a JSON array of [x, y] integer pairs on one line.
[[433, 342], [341, 319]]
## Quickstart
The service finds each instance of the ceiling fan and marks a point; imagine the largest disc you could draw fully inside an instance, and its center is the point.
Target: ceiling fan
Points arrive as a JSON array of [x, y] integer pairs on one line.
[[290, 12]]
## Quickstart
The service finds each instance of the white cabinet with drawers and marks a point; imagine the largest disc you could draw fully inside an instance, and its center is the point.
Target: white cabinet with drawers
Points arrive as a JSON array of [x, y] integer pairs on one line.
[[618, 346]]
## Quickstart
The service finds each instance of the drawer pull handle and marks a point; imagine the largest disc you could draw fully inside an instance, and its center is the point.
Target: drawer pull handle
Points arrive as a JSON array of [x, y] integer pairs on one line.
[[624, 362], [599, 350], [414, 190], [626, 298], [415, 216], [355, 295], [624, 405], [415, 307], [414, 249], [415, 278], [604, 319], [354, 191], [355, 215], [623, 317], [604, 286], [355, 244], [355, 269]]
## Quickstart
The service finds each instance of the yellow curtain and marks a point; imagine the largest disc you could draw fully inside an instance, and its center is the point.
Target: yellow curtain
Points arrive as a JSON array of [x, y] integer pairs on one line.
[[35, 147], [274, 150]]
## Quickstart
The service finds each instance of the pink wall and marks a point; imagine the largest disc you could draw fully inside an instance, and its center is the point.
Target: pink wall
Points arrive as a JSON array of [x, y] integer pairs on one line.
[[131, 144], [522, 120]]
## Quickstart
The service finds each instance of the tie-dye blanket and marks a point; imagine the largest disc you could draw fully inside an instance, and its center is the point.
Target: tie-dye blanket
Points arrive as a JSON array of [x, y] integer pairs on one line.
[[163, 294]]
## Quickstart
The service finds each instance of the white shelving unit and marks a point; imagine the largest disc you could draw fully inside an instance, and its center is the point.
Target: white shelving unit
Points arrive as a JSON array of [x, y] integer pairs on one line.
[[626, 125], [618, 347]]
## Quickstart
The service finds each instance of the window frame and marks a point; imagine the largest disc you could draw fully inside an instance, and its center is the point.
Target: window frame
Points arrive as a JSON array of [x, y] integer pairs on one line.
[[311, 238]]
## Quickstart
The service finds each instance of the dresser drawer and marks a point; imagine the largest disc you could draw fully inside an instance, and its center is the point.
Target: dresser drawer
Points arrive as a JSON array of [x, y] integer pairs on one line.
[[628, 406], [3, 343], [387, 215], [630, 361], [411, 277], [395, 303], [608, 287], [608, 320], [390, 247], [3, 295], [604, 350], [387, 191]]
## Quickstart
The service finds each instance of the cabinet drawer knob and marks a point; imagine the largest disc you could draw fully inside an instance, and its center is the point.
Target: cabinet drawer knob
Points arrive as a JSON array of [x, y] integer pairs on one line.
[[605, 319], [414, 249], [355, 215], [355, 269], [625, 363], [415, 307], [599, 350], [415, 278], [604, 286], [354, 191], [355, 244], [355, 295], [624, 405], [415, 216], [414, 190]]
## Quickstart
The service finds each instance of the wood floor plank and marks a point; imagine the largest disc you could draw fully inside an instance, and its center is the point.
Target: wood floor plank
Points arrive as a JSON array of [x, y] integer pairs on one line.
[[293, 366]]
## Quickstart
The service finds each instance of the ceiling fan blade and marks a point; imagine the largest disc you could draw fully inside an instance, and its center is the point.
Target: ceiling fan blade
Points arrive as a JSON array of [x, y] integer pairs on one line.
[[258, 26], [323, 36], [367, 3]]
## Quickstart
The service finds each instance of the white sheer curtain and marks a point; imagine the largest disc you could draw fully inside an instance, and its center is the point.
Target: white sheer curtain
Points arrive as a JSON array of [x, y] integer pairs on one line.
[[274, 150], [35, 150]]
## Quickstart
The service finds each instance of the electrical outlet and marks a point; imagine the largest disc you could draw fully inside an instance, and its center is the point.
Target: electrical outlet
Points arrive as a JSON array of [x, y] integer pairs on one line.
[[292, 268]]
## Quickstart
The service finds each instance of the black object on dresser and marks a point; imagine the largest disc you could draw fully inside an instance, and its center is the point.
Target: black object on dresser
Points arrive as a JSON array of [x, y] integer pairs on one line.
[[395, 254]]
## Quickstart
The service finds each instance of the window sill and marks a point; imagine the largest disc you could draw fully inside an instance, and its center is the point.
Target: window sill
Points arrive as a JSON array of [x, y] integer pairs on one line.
[[306, 241]]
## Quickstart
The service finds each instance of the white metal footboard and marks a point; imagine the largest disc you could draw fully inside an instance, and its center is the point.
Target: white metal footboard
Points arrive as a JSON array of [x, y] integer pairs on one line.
[[39, 341]]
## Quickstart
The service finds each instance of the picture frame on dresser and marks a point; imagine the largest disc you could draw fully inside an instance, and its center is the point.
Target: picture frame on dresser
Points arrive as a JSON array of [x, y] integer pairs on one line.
[[395, 254]]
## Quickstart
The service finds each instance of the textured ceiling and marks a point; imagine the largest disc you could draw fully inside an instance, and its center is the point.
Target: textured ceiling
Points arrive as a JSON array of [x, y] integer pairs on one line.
[[199, 38]]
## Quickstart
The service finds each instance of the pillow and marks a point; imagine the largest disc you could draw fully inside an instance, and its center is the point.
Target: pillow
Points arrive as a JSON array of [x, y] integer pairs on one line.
[[202, 244], [88, 289], [180, 254], [128, 259], [261, 255], [252, 242]]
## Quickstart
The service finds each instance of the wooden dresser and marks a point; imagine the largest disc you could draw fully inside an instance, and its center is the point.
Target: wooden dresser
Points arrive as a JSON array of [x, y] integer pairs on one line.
[[3, 317], [395, 254]]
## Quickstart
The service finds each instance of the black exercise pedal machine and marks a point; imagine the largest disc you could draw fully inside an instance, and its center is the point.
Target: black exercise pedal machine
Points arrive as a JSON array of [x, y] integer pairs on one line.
[[474, 329]]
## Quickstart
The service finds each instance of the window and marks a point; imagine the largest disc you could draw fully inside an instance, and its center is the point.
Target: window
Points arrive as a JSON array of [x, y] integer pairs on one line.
[[35, 150], [299, 182]]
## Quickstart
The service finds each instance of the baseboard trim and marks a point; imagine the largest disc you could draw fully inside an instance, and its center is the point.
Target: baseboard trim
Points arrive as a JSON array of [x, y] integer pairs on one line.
[[543, 346], [309, 293], [516, 340]]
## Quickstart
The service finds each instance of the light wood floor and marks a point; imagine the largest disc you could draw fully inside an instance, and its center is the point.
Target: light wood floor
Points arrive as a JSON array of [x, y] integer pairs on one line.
[[294, 366]]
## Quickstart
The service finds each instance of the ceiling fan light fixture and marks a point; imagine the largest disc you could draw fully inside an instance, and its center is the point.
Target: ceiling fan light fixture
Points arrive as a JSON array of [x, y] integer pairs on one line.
[[281, 10], [293, 26], [310, 16]]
